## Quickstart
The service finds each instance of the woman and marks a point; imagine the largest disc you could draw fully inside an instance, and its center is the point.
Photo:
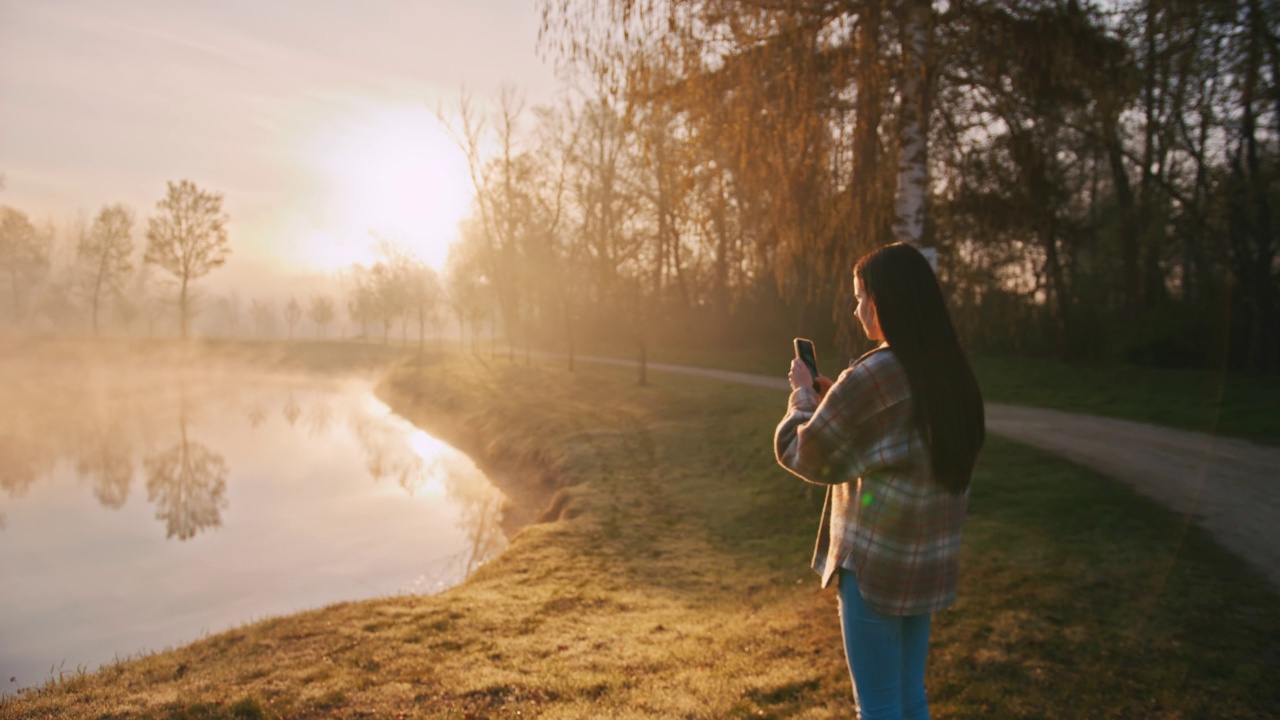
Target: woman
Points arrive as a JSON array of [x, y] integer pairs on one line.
[[895, 439]]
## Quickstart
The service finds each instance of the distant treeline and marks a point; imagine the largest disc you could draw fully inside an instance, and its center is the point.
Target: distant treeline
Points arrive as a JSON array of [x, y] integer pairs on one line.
[[92, 277], [101, 275]]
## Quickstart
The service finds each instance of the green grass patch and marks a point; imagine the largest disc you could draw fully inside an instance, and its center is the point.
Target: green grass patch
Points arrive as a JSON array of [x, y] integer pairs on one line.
[[1213, 402], [1234, 405], [675, 584]]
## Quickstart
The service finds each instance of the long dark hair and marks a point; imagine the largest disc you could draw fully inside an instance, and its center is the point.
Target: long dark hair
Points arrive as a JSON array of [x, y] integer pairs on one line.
[[914, 319]]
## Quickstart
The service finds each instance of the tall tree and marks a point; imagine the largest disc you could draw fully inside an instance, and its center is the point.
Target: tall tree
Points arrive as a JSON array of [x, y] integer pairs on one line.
[[292, 314], [423, 295], [362, 304], [503, 200], [321, 313], [389, 284], [24, 256], [105, 254], [226, 314], [466, 285], [916, 21], [187, 237], [263, 316]]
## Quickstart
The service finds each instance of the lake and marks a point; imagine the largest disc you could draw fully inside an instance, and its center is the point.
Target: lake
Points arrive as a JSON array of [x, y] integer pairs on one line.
[[145, 507]]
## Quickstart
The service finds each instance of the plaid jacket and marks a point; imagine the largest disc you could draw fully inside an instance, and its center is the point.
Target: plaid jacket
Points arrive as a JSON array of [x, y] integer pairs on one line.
[[884, 519]]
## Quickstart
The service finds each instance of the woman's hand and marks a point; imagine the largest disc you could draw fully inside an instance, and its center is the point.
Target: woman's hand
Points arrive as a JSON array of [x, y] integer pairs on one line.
[[799, 376], [824, 384]]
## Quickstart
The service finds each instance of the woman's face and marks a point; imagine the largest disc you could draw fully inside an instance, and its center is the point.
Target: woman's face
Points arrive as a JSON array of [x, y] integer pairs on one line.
[[866, 312]]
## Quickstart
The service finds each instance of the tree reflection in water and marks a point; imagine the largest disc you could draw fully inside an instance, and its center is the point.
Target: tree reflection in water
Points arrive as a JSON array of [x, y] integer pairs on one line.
[[425, 463], [256, 414], [484, 532], [386, 454], [33, 427], [291, 410], [112, 424], [319, 419], [106, 460], [23, 460], [187, 483]]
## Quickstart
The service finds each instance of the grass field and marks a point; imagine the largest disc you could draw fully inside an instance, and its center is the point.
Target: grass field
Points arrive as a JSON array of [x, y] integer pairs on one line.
[[673, 583]]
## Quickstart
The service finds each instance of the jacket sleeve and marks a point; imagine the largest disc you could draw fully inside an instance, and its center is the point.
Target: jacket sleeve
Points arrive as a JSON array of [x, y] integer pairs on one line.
[[825, 443]]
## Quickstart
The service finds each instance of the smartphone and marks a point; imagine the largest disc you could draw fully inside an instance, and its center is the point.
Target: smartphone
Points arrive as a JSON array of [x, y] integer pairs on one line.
[[805, 351]]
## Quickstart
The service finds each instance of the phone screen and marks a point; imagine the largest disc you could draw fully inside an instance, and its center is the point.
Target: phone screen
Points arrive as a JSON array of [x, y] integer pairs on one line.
[[805, 351]]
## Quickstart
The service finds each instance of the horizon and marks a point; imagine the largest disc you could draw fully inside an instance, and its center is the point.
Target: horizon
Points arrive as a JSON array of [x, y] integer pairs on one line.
[[317, 123]]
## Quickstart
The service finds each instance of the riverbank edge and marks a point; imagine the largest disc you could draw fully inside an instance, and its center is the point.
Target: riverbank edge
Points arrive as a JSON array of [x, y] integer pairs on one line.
[[530, 481]]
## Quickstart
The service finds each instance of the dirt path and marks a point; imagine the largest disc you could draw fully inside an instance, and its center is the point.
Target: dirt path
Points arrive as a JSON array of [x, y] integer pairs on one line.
[[1230, 487]]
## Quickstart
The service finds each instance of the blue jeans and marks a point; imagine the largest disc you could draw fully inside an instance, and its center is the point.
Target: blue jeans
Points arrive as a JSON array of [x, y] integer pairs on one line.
[[886, 657]]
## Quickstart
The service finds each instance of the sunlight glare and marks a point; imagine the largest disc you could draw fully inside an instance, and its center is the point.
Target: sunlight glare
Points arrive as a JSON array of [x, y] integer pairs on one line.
[[430, 450], [390, 172]]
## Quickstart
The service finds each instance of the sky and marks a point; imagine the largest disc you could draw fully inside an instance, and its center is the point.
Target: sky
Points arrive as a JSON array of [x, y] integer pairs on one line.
[[314, 119]]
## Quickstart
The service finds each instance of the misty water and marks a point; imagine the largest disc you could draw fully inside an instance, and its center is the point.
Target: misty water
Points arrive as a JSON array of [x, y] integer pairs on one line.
[[143, 507]]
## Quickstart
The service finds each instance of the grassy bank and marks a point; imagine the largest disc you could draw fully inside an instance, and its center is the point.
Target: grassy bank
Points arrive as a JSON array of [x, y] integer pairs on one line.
[[1233, 405], [673, 583]]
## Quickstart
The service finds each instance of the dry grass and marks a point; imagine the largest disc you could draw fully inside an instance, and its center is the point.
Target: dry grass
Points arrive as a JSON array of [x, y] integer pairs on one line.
[[673, 583]]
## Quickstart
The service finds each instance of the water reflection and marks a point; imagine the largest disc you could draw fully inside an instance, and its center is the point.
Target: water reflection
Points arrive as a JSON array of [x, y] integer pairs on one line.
[[275, 494], [21, 464], [421, 467], [104, 459], [319, 419], [257, 414], [187, 483], [291, 410], [186, 479]]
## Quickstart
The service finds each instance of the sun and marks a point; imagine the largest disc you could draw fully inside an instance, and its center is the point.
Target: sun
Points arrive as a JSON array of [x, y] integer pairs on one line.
[[388, 172]]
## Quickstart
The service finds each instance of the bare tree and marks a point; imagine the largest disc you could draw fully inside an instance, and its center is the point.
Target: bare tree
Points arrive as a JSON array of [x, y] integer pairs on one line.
[[226, 314], [105, 253], [188, 239], [362, 303], [321, 313], [139, 301], [423, 295], [263, 317], [502, 201], [389, 278], [292, 314], [466, 285], [24, 255]]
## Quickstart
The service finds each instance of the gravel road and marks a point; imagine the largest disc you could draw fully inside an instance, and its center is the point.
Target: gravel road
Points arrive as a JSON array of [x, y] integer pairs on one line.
[[1230, 487]]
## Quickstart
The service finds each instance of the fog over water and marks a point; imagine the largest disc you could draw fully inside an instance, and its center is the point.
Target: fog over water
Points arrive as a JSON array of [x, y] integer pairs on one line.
[[147, 500]]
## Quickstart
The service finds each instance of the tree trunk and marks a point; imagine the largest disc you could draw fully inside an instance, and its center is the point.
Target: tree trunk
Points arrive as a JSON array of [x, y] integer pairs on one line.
[[719, 220], [97, 292], [1058, 286], [867, 208], [1264, 345], [913, 158], [568, 331], [182, 308]]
